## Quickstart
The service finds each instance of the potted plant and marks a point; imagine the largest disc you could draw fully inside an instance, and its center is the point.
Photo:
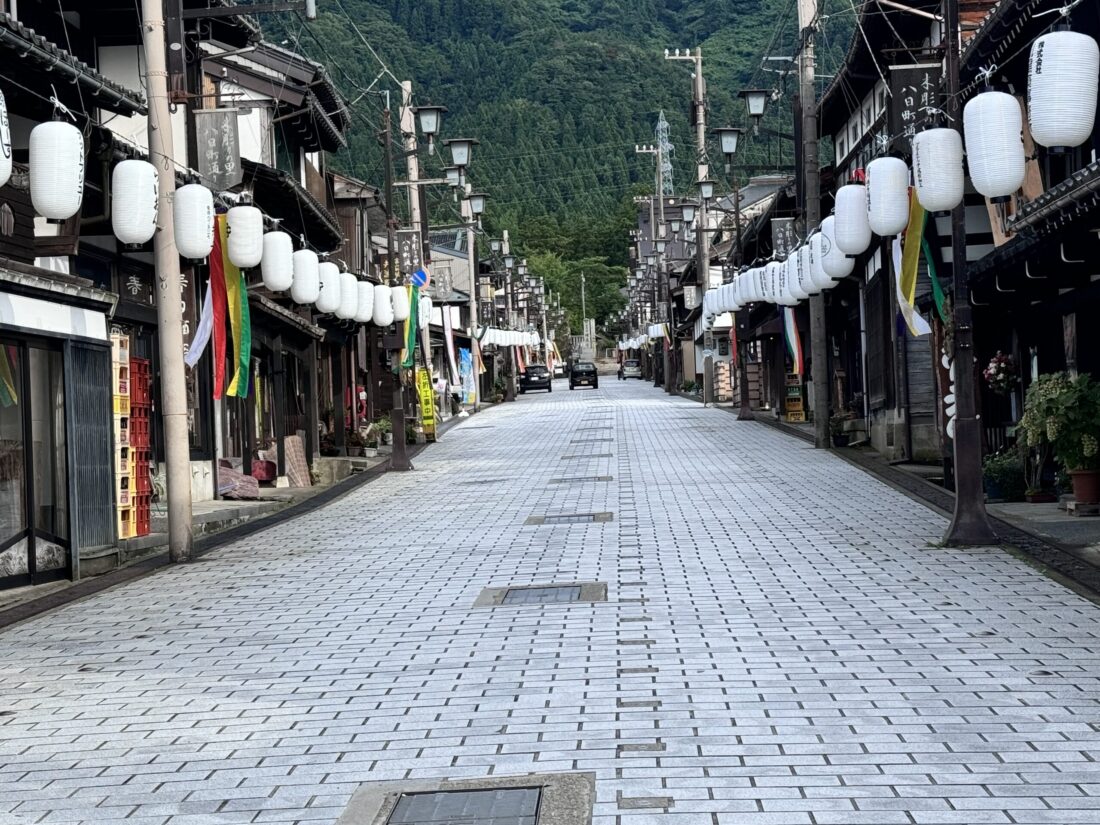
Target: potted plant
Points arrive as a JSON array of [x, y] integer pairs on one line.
[[410, 433], [385, 430], [1003, 474], [355, 442], [1065, 413], [1001, 374], [841, 438]]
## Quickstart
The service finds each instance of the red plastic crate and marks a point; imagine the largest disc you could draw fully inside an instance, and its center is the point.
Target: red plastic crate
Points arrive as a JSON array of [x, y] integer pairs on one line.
[[140, 379], [143, 484], [142, 512], [139, 433]]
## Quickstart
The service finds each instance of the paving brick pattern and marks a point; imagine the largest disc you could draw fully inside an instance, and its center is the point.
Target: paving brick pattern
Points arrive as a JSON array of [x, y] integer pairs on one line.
[[780, 644]]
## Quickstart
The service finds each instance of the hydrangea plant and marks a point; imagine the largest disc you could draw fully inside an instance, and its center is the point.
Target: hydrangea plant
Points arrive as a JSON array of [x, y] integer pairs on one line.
[[1064, 412]]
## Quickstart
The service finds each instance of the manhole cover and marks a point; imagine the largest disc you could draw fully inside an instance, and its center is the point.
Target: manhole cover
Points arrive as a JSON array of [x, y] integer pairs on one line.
[[535, 594], [556, 594], [507, 806], [569, 518], [579, 479]]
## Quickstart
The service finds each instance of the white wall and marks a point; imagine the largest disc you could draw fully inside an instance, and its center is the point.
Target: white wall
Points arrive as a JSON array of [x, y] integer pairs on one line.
[[126, 65]]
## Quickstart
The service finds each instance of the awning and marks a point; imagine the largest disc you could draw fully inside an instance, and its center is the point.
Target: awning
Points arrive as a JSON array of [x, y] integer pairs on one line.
[[265, 306], [489, 336], [49, 302]]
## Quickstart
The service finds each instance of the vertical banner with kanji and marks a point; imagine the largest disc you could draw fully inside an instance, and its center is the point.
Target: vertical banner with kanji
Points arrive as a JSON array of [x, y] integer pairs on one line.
[[914, 99]]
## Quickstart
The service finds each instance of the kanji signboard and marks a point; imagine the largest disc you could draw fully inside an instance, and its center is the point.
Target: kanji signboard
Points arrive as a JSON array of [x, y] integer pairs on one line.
[[408, 251], [913, 98], [219, 148]]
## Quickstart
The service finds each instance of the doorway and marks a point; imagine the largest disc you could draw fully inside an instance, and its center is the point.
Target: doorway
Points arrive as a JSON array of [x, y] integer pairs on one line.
[[34, 503]]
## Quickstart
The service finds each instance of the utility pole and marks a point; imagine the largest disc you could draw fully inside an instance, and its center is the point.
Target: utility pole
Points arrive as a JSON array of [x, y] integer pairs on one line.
[[969, 523], [811, 192], [408, 132], [584, 312], [177, 449], [510, 387], [399, 458]]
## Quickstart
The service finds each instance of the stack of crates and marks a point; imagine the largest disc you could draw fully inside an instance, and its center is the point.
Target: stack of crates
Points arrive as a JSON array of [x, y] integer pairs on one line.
[[124, 464], [141, 455]]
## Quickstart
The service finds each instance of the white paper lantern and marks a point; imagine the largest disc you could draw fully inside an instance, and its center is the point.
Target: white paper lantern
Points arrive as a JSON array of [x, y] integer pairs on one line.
[[1062, 80], [424, 312], [56, 170], [349, 296], [400, 302], [5, 142], [806, 270], [307, 279], [794, 278], [383, 306], [817, 253], [364, 312], [852, 232], [993, 129], [887, 196], [134, 190], [772, 282], [786, 293], [193, 218], [938, 169], [277, 264], [836, 264], [329, 299], [245, 226]]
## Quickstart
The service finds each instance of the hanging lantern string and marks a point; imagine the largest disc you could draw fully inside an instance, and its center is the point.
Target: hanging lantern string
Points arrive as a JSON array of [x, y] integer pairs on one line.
[[985, 73], [1063, 11], [932, 110], [59, 107]]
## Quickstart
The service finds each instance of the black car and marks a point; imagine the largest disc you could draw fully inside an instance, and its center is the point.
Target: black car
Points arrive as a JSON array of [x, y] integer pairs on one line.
[[536, 377], [584, 374]]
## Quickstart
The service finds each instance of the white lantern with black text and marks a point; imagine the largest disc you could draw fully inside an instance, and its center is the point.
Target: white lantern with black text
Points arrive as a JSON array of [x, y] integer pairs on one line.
[[400, 302], [383, 306], [5, 142], [938, 169], [364, 313], [245, 226], [836, 264], [193, 218], [1063, 75], [424, 312], [56, 160], [794, 282], [329, 299], [887, 196], [804, 264], [772, 281], [993, 129], [349, 296], [277, 264], [134, 190], [306, 287], [851, 231]]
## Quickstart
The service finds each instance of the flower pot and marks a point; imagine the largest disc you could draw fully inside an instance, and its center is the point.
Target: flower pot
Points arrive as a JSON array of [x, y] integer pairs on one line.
[[841, 439], [370, 452], [355, 451], [387, 438], [1040, 497], [1086, 486], [993, 491]]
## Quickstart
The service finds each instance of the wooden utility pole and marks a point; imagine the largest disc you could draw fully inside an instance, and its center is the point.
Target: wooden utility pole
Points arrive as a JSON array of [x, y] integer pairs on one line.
[[811, 192], [969, 523], [399, 458], [177, 447]]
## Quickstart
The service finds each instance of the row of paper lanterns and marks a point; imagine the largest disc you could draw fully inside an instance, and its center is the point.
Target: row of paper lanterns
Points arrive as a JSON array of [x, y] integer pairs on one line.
[[491, 336], [634, 343]]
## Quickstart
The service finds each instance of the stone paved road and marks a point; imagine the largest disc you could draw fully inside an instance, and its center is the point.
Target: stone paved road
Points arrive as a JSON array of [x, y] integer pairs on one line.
[[780, 645]]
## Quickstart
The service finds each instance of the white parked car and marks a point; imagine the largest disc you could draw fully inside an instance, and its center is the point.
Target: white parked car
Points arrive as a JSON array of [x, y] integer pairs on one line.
[[632, 368]]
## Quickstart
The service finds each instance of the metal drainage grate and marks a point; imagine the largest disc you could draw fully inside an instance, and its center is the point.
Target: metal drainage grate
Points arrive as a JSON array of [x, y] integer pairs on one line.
[[506, 806], [579, 479], [570, 518], [536, 594], [588, 455], [590, 440], [555, 594]]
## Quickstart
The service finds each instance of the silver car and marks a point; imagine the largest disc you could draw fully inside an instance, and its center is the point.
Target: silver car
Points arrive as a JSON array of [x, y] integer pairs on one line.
[[632, 369]]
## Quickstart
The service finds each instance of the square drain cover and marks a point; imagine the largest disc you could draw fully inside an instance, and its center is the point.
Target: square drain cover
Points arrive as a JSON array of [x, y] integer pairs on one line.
[[515, 595], [504, 806], [579, 479], [543, 595], [588, 455], [570, 518]]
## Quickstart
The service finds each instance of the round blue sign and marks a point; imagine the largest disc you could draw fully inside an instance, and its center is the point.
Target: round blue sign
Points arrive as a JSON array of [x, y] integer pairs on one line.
[[420, 278]]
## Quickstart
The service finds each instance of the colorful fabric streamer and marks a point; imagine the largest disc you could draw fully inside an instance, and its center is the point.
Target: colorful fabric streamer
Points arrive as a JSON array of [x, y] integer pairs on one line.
[[794, 340]]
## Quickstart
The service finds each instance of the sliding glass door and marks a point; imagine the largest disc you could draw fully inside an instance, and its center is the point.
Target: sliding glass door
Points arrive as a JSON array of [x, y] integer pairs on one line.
[[34, 509]]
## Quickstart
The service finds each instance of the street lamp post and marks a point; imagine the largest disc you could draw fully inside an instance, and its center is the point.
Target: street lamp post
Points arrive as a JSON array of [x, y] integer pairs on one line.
[[729, 137]]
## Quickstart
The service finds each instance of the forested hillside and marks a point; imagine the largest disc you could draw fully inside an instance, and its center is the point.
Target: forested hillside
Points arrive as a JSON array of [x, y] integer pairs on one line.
[[558, 92]]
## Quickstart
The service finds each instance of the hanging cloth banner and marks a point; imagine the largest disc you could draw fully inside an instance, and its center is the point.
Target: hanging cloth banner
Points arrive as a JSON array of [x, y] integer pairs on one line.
[[477, 356], [218, 307], [408, 355], [937, 287], [794, 340], [520, 364], [239, 321], [202, 332], [449, 342], [906, 262]]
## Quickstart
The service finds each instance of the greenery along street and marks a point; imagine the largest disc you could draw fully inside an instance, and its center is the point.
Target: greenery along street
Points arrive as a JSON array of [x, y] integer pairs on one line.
[[558, 92]]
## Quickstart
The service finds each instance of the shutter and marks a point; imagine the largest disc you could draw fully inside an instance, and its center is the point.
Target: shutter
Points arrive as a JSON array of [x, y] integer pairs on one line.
[[91, 430]]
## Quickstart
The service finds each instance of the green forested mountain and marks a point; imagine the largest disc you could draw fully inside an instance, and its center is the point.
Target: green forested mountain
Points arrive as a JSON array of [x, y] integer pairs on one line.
[[558, 92]]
